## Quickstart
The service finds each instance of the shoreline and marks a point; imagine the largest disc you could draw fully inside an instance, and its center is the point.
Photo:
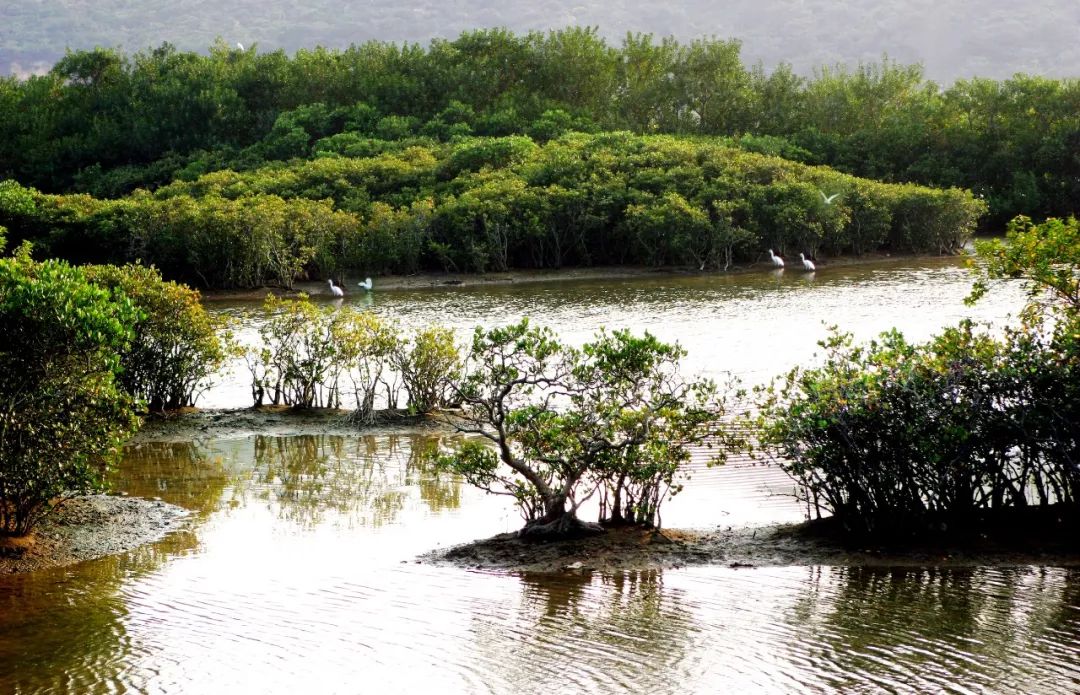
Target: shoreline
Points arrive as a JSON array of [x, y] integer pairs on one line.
[[279, 421], [738, 547], [91, 527]]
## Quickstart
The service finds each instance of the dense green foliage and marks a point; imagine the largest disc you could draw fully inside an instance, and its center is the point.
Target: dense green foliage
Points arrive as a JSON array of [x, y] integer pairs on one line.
[[63, 412], [105, 123], [1047, 255], [896, 438], [479, 204], [555, 426], [177, 346]]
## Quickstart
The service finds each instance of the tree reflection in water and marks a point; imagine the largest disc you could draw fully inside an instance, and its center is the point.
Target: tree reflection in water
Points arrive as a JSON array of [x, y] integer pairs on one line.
[[360, 481], [942, 625], [623, 632], [65, 630], [188, 474]]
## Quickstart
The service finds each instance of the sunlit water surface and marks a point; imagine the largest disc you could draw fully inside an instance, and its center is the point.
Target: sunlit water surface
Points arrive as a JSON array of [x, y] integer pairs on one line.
[[297, 573]]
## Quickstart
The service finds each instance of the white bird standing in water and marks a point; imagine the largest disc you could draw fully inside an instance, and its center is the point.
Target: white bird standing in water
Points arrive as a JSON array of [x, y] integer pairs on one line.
[[828, 199], [807, 264], [776, 260], [334, 290], [366, 284]]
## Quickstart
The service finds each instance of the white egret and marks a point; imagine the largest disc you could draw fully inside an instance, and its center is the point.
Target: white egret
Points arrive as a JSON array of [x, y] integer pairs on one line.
[[366, 284], [334, 290], [807, 264], [828, 199], [776, 260], [240, 45]]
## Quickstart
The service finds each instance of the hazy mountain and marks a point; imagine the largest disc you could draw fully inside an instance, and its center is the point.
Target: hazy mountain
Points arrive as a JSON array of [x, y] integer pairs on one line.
[[952, 38]]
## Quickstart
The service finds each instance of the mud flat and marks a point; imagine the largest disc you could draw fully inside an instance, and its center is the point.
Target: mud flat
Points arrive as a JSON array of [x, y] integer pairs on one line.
[[748, 547], [280, 421], [86, 528]]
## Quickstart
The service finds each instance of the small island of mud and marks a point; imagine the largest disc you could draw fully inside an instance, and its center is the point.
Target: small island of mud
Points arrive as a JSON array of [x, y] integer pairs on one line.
[[90, 527], [280, 421], [815, 543]]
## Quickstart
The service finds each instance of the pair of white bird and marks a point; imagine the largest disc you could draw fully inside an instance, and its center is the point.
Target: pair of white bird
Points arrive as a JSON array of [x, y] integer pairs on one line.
[[338, 292], [778, 262], [807, 264]]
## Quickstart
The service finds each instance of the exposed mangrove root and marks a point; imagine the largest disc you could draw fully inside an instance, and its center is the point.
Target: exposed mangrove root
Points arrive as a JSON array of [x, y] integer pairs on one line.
[[565, 527]]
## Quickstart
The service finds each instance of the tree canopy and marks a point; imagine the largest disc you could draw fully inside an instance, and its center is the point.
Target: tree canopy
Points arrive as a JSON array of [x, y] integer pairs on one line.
[[490, 203], [63, 413], [954, 39], [106, 122], [555, 426]]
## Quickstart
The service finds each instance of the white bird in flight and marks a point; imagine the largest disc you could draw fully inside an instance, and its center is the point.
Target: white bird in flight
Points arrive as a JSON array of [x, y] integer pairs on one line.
[[336, 291], [828, 199], [807, 263], [776, 260], [366, 284]]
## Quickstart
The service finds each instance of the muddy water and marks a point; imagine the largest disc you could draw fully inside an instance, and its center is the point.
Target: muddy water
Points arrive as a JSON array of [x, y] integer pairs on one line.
[[297, 573]]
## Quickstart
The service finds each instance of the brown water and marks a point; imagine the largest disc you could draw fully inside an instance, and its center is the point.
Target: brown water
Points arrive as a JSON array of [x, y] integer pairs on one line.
[[297, 572]]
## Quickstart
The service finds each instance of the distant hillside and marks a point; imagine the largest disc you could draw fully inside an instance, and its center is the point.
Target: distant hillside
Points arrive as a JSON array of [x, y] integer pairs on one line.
[[952, 38]]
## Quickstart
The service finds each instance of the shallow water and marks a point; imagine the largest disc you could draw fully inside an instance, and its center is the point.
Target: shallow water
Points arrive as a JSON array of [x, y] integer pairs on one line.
[[297, 573]]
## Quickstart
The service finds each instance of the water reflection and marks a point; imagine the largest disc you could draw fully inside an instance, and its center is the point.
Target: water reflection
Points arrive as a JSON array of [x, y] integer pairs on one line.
[[64, 631], [188, 474], [914, 630], [297, 572], [276, 594], [363, 480], [589, 633]]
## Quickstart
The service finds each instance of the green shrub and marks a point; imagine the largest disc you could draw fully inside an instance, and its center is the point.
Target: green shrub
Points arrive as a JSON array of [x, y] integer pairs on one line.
[[554, 424], [427, 363], [492, 153], [63, 414], [304, 351], [941, 221], [375, 342], [892, 436], [895, 437], [1047, 255], [177, 348], [670, 231]]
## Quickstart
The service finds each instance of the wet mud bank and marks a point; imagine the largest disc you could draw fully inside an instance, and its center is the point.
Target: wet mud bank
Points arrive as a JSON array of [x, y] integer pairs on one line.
[[280, 421], [90, 527], [745, 547]]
